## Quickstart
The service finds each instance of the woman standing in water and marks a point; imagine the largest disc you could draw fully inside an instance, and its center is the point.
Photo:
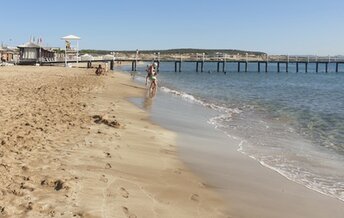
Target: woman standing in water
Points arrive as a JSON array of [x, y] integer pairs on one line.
[[152, 76]]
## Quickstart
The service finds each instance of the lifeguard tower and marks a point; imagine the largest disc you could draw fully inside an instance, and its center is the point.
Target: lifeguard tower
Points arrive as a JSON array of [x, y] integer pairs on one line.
[[71, 52]]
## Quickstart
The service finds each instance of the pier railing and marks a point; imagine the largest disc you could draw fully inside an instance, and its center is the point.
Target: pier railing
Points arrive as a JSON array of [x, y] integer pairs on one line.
[[215, 58], [210, 58], [262, 62]]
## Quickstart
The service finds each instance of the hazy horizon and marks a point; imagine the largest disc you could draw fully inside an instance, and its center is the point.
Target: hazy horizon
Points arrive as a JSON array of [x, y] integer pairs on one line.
[[274, 27]]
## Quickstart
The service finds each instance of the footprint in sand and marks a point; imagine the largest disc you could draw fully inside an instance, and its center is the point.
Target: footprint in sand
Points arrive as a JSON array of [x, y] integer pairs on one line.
[[52, 213], [194, 197], [27, 206], [103, 179], [78, 214], [177, 171], [2, 211], [108, 166], [107, 154], [124, 192], [25, 168], [23, 186], [126, 212], [58, 185]]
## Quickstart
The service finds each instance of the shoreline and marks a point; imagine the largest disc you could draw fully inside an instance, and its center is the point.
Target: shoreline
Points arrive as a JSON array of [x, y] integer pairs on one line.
[[250, 189], [85, 151]]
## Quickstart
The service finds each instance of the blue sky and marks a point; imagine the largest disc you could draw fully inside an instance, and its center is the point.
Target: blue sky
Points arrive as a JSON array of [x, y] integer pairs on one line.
[[276, 27]]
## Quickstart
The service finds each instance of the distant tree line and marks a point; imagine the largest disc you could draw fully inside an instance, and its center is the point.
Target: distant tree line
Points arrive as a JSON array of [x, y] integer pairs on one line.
[[176, 51]]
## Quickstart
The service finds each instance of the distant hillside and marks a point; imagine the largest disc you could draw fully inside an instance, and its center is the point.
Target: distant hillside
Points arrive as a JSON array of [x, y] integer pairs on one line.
[[176, 51]]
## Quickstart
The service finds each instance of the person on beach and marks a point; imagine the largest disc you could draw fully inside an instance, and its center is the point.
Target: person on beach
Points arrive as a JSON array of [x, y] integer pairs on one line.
[[152, 76], [3, 59], [99, 70]]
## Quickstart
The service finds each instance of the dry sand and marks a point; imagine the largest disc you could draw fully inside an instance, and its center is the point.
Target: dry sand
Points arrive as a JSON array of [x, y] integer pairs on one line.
[[73, 146]]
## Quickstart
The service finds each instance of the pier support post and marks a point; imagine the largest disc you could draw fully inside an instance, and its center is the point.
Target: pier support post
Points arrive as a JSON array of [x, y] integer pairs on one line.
[[317, 67], [218, 66], [286, 67], [306, 66], [112, 64], [266, 67], [177, 66], [258, 67], [89, 64], [202, 66], [133, 65], [297, 67], [337, 67], [158, 66], [246, 66], [326, 67], [199, 66], [278, 67], [223, 66], [239, 67]]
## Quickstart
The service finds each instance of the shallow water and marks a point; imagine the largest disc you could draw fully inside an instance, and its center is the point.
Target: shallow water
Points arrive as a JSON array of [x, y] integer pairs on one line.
[[292, 123]]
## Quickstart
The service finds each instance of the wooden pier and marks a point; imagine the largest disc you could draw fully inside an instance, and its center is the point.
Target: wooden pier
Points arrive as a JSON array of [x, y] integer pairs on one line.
[[241, 65]]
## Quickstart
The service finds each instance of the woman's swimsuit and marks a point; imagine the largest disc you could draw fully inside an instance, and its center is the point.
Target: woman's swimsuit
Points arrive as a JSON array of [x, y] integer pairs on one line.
[[152, 78]]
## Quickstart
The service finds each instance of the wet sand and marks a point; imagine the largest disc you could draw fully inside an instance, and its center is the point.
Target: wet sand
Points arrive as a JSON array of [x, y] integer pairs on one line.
[[250, 189], [73, 146]]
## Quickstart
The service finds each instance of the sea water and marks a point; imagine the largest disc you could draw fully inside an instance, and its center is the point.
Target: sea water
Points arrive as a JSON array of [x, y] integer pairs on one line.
[[292, 123]]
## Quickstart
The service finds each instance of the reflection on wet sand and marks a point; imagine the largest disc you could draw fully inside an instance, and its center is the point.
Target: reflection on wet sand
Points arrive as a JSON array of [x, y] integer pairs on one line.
[[147, 103]]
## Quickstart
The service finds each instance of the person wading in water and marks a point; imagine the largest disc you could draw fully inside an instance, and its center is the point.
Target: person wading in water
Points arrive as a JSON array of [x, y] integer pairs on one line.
[[152, 76]]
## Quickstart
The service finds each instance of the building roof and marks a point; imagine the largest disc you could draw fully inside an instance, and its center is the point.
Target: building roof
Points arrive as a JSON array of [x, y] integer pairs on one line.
[[29, 45], [6, 49], [71, 37], [34, 45]]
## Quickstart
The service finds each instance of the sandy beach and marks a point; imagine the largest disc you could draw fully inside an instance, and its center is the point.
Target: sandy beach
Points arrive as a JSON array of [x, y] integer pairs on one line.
[[73, 146]]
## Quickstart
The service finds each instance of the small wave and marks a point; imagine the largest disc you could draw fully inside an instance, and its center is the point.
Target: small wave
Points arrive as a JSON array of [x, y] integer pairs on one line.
[[326, 186], [190, 98], [183, 95], [218, 120]]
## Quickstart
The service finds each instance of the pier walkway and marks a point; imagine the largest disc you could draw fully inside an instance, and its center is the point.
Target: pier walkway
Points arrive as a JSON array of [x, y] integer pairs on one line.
[[241, 65]]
